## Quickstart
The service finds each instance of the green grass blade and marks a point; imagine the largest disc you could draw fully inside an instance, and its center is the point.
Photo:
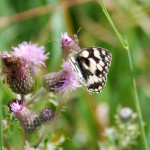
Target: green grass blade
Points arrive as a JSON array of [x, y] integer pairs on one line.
[[120, 37]]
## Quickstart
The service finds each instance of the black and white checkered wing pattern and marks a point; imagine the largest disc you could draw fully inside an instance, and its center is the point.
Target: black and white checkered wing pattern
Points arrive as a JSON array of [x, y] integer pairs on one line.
[[91, 65]]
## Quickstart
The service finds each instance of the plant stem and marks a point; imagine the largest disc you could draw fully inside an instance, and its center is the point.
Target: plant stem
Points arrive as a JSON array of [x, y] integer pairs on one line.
[[55, 121], [6, 143], [1, 132], [60, 104], [22, 98], [41, 90], [39, 141], [137, 101]]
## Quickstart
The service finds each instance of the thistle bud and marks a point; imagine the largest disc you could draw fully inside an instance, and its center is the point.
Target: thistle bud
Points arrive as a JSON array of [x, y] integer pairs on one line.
[[69, 44], [54, 81], [61, 82], [28, 119], [17, 74], [46, 115]]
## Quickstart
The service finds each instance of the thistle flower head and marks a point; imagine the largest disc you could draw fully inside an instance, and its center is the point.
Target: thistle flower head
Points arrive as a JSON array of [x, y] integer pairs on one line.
[[32, 54], [71, 81], [15, 106], [63, 81], [19, 67], [66, 39], [69, 44]]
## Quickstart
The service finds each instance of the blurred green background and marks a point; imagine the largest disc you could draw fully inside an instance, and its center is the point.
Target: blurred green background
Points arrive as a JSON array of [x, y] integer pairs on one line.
[[40, 21]]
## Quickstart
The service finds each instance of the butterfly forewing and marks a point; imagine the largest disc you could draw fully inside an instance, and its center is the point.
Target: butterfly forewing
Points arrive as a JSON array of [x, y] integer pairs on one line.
[[91, 65]]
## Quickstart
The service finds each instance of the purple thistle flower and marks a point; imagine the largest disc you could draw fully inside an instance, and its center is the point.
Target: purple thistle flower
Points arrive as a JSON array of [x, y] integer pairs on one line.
[[28, 119], [70, 81], [15, 106], [63, 81], [69, 44], [31, 54], [66, 39]]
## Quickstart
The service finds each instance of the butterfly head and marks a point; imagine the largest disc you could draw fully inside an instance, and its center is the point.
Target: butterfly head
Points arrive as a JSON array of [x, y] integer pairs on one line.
[[75, 36]]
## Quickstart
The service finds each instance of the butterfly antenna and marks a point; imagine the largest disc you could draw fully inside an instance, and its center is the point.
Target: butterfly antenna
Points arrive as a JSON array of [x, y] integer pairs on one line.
[[78, 31], [55, 42], [76, 35]]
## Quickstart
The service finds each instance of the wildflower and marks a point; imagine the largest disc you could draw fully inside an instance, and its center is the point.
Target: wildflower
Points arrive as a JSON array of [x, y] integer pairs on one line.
[[69, 44], [125, 113], [19, 67], [28, 119], [66, 39], [124, 134], [31, 54], [62, 81], [15, 106]]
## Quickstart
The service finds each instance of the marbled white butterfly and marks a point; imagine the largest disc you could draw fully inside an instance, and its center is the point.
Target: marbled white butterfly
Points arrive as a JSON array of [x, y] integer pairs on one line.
[[91, 66]]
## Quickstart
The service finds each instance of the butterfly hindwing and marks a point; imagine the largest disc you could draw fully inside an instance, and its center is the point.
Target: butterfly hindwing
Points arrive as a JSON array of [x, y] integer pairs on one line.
[[91, 65]]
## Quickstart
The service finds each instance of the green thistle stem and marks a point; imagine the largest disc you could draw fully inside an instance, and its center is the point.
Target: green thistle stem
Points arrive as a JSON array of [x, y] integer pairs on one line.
[[58, 111], [41, 90], [137, 101], [40, 140]]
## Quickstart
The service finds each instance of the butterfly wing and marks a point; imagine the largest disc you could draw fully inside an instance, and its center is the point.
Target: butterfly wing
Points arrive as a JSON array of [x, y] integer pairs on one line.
[[91, 65]]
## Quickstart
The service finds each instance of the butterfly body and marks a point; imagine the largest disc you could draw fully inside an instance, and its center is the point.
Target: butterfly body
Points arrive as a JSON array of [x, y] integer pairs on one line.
[[91, 66]]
